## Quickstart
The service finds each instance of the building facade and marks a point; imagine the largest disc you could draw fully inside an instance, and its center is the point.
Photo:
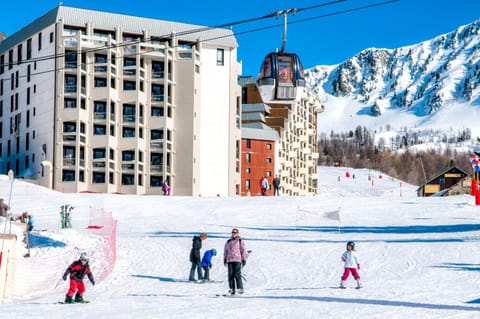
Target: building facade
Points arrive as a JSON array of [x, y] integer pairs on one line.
[[102, 102], [296, 148]]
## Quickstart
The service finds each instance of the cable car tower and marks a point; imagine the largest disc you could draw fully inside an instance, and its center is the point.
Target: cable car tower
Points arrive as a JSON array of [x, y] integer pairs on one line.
[[281, 78]]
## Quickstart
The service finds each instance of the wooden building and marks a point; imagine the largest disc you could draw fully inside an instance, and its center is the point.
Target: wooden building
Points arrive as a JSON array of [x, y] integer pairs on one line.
[[441, 183]]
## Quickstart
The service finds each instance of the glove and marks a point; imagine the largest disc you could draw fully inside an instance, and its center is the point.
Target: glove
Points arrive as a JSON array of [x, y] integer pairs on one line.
[[93, 282], [64, 277], [225, 262], [358, 266], [244, 262], [343, 259]]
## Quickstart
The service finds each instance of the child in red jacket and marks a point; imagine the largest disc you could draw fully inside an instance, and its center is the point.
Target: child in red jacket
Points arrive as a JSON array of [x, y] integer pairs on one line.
[[78, 270]]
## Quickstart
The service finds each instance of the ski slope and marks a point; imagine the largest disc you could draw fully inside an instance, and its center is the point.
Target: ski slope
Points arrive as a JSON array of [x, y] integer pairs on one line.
[[419, 256]]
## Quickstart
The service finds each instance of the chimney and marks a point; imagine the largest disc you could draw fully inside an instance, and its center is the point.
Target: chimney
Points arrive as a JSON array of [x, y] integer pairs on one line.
[[2, 36]]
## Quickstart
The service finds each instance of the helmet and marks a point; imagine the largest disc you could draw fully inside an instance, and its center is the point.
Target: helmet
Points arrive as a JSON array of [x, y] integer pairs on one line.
[[83, 256], [214, 251], [352, 244]]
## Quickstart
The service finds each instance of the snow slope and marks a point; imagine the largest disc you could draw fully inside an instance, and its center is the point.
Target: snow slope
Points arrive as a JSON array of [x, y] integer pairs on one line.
[[419, 255]]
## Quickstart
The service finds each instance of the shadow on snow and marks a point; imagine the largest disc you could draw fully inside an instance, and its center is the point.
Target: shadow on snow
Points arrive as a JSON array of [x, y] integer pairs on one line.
[[373, 302]]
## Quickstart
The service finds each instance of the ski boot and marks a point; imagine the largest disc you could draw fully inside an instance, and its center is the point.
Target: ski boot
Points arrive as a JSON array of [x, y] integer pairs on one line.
[[68, 299], [359, 284], [342, 284], [79, 299]]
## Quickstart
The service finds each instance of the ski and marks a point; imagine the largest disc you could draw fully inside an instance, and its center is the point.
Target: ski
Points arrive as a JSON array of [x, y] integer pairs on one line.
[[73, 303]]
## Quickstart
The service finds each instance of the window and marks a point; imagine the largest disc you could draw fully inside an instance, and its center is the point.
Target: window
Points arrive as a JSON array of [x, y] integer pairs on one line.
[[99, 153], [157, 111], [128, 156], [39, 41], [2, 63], [100, 82], [129, 62], [129, 112], [269, 146], [70, 103], [51, 37], [99, 130], [128, 179], [70, 84], [29, 49], [128, 132], [100, 58], [129, 86], [70, 59], [247, 184], [100, 110], [68, 175], [155, 181], [156, 135], [156, 159], [19, 53], [98, 177], [269, 160], [69, 127], [220, 56], [248, 143], [247, 170], [248, 157]]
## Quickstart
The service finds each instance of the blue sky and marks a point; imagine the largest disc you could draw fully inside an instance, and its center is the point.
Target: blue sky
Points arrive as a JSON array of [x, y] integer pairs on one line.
[[323, 41]]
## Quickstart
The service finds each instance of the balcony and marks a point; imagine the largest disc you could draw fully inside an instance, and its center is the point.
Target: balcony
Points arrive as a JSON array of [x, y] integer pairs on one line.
[[156, 169], [68, 161], [156, 146]]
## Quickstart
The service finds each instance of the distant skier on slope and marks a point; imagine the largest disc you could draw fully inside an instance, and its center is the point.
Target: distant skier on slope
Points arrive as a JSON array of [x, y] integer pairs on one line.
[[234, 258], [207, 263], [352, 264], [195, 256], [78, 270]]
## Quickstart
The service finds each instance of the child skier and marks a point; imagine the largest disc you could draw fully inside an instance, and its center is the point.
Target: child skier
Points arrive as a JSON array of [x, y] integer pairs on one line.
[[78, 270], [352, 264], [207, 263]]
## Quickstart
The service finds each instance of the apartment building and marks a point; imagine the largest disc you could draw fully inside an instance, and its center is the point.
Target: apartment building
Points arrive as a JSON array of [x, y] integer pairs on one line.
[[103, 102], [296, 148]]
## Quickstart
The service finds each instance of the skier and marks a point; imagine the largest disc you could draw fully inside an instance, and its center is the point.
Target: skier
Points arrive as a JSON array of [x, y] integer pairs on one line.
[[78, 270], [352, 264], [234, 258], [264, 186], [207, 263], [195, 256]]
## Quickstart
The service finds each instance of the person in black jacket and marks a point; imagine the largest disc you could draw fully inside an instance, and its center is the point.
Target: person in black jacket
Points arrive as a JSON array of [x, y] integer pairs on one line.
[[78, 270], [195, 257]]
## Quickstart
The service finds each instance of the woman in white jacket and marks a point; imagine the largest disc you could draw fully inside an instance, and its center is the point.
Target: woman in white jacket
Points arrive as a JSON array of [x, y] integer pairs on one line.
[[352, 264]]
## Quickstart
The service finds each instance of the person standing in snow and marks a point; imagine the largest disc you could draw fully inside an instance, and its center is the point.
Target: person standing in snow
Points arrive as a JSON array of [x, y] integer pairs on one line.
[[276, 186], [195, 256], [77, 271], [352, 264], [207, 263], [234, 258], [264, 186]]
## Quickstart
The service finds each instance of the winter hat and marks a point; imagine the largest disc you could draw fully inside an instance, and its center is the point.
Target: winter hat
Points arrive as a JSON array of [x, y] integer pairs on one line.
[[214, 251]]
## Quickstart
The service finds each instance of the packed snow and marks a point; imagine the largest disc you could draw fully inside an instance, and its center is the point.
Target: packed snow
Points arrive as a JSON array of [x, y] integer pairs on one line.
[[419, 256]]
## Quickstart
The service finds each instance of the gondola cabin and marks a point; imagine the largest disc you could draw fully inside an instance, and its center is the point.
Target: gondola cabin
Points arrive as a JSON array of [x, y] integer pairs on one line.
[[281, 78]]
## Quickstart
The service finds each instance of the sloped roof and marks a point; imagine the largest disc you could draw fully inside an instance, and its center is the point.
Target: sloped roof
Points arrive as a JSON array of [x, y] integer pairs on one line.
[[131, 24], [453, 168], [255, 107], [265, 133], [253, 117]]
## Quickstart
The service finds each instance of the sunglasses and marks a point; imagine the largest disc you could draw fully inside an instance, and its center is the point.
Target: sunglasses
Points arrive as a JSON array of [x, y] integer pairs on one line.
[[234, 232]]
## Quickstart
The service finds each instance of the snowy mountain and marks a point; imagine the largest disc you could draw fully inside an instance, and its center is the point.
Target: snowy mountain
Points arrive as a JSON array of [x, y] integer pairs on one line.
[[432, 84]]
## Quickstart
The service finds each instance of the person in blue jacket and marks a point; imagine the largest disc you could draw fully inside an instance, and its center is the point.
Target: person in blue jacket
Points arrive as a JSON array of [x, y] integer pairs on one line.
[[207, 263]]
